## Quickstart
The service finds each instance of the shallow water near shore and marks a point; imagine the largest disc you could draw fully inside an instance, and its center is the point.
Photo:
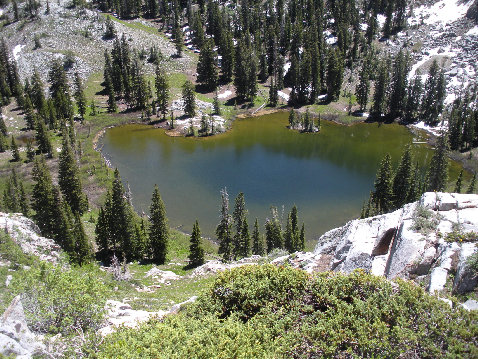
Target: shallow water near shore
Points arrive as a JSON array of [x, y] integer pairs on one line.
[[328, 175]]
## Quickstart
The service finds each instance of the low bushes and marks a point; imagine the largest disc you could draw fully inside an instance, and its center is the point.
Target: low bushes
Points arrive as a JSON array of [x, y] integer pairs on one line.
[[275, 312]]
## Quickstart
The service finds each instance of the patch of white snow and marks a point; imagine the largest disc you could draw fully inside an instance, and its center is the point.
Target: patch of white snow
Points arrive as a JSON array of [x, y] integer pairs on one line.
[[16, 51], [283, 95], [225, 94]]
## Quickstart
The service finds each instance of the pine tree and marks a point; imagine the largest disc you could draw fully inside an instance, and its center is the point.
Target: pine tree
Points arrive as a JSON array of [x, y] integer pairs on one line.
[[158, 229], [402, 179], [381, 87], [399, 85], [80, 96], [301, 243], [295, 228], [245, 239], [102, 234], [15, 153], [189, 99], [273, 95], [471, 187], [383, 193], [83, 250], [363, 88], [414, 97], [335, 73], [216, 105], [434, 95], [257, 241], [207, 69], [196, 252], [69, 180], [224, 228], [239, 215], [178, 40], [458, 183], [60, 90], [42, 197], [273, 231], [437, 177], [30, 150], [288, 236], [162, 92], [43, 139]]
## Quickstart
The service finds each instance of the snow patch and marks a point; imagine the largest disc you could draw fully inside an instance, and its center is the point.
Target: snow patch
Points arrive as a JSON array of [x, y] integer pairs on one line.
[[381, 20], [443, 12], [286, 66], [472, 32], [283, 95], [225, 94], [437, 131], [16, 51]]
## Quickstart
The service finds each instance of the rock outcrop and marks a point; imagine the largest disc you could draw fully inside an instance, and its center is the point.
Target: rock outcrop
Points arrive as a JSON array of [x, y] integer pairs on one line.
[[27, 235], [15, 338], [394, 245]]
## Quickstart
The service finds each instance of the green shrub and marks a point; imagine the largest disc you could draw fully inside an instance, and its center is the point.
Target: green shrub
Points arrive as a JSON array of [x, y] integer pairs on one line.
[[60, 300], [460, 236], [279, 312], [425, 221]]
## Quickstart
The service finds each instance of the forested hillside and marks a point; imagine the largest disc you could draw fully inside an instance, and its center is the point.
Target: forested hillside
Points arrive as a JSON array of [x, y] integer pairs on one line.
[[72, 69]]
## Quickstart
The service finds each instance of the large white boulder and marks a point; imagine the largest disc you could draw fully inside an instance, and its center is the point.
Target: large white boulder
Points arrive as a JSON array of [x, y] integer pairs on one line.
[[391, 246], [16, 339]]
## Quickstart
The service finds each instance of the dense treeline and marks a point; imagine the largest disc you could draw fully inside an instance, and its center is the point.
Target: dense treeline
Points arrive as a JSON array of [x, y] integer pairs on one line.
[[283, 43], [405, 184], [233, 231]]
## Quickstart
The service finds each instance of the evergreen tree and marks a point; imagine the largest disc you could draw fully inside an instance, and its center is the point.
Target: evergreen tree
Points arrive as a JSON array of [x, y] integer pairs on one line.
[[238, 216], [380, 92], [245, 240], [30, 150], [301, 243], [273, 231], [437, 177], [288, 236], [189, 99], [60, 91], [402, 179], [257, 241], [335, 73], [224, 228], [196, 252], [102, 232], [383, 193], [363, 88], [15, 153], [11, 193], [414, 96], [158, 229], [42, 197], [471, 187], [162, 92], [295, 228], [207, 69], [273, 95], [458, 183], [80, 96], [83, 249], [178, 40], [434, 95], [399, 83], [216, 105], [43, 139], [69, 180]]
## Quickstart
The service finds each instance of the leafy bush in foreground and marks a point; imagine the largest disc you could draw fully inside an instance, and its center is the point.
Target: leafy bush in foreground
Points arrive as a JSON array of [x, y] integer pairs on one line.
[[270, 312], [60, 300]]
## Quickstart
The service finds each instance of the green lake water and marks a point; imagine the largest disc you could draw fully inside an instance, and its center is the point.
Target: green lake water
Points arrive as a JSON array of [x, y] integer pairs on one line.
[[327, 175]]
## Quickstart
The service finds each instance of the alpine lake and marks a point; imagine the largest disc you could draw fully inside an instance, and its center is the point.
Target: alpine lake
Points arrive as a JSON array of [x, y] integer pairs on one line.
[[328, 174]]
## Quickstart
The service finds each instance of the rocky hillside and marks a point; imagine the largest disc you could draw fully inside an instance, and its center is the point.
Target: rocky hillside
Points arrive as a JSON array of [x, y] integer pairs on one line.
[[428, 241], [27, 235]]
